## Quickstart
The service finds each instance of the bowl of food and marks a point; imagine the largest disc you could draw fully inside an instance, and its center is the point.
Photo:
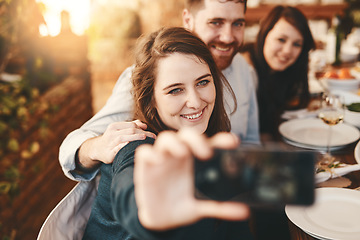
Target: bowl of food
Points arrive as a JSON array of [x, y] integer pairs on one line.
[[341, 79], [352, 114]]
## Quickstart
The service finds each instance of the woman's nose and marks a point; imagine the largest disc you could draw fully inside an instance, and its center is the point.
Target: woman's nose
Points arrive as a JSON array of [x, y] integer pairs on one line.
[[287, 48], [193, 100]]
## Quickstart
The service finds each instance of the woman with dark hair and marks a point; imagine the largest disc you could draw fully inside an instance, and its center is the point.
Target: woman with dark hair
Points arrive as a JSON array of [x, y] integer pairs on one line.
[[280, 57], [178, 93]]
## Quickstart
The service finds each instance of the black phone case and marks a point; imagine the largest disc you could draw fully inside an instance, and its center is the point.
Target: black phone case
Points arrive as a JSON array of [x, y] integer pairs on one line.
[[257, 177]]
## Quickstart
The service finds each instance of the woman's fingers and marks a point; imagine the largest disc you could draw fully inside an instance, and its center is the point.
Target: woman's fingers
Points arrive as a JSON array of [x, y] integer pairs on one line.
[[140, 124], [202, 147], [224, 140], [187, 142], [223, 210], [170, 144], [164, 177]]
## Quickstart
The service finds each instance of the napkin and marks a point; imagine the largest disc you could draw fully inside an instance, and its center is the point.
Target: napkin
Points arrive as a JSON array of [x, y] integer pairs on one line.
[[336, 172], [301, 113]]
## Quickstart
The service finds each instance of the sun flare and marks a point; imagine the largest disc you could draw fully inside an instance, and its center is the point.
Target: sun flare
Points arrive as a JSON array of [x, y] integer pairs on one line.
[[79, 12]]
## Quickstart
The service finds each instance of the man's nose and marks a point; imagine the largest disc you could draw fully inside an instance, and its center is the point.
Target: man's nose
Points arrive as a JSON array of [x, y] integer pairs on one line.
[[226, 34]]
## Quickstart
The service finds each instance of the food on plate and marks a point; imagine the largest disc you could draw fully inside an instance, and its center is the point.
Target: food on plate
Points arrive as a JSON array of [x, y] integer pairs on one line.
[[344, 73], [341, 74], [328, 166], [354, 107], [331, 74]]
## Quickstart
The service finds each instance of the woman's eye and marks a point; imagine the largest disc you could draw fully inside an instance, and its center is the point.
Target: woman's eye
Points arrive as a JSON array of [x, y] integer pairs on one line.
[[175, 91], [203, 82], [282, 40], [297, 44]]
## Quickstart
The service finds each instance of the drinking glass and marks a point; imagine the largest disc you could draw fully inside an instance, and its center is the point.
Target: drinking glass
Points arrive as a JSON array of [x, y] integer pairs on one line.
[[332, 113]]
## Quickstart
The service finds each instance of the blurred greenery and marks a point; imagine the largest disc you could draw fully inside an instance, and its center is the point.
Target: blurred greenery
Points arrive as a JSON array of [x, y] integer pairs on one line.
[[18, 104], [20, 101]]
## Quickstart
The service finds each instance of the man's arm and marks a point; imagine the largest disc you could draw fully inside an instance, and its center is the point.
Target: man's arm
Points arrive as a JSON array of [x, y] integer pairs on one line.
[[86, 144]]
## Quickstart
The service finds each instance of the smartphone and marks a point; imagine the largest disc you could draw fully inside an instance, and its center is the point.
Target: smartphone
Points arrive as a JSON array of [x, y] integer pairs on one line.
[[257, 176]]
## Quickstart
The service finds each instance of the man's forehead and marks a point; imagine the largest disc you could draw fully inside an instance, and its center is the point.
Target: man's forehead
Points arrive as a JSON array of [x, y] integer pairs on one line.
[[236, 1], [216, 9]]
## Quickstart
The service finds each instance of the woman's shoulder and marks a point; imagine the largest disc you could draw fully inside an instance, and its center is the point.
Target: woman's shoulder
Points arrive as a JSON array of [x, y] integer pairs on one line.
[[127, 152]]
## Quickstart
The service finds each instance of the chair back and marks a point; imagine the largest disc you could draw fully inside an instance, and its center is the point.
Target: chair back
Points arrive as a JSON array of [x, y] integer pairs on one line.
[[67, 221]]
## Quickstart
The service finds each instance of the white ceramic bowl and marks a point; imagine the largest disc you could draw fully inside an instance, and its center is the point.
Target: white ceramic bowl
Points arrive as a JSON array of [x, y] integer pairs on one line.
[[350, 54], [352, 118], [343, 84]]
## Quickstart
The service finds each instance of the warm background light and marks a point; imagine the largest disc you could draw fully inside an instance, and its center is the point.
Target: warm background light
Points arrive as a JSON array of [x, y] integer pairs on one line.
[[79, 11]]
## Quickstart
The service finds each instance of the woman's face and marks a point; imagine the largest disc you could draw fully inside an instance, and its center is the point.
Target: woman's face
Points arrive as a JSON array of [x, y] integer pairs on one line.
[[283, 45], [184, 92]]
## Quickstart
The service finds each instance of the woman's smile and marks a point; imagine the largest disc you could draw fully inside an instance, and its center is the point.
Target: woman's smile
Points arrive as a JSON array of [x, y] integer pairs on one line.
[[193, 116]]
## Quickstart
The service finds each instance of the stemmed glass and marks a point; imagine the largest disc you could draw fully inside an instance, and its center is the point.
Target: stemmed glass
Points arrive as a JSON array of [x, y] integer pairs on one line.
[[332, 113]]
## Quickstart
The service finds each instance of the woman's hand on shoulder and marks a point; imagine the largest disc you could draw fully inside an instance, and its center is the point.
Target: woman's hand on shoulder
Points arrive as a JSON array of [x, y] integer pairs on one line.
[[164, 180]]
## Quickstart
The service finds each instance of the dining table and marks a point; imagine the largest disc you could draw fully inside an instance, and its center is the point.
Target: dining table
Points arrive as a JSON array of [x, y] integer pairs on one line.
[[345, 155]]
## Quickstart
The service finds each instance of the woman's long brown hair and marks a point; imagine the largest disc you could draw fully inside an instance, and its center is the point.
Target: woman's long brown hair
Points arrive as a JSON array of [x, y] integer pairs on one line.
[[158, 45]]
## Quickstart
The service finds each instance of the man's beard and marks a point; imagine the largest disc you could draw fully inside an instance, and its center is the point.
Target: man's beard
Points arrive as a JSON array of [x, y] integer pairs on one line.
[[223, 62], [223, 53]]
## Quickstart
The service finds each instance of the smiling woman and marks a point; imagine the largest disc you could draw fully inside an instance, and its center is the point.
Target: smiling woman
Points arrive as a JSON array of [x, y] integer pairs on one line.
[[79, 16], [280, 57]]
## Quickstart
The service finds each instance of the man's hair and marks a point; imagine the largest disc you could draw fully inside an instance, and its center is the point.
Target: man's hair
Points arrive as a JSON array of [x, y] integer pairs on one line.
[[192, 5], [160, 44]]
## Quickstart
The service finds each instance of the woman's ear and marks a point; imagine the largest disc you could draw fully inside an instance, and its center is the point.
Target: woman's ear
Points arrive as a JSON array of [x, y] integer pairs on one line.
[[188, 20]]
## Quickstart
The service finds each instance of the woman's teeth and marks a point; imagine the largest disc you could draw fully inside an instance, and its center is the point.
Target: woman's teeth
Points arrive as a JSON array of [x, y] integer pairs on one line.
[[192, 116], [283, 59]]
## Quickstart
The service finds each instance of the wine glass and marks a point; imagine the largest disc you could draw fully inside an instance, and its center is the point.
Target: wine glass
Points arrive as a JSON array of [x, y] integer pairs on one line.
[[332, 113]]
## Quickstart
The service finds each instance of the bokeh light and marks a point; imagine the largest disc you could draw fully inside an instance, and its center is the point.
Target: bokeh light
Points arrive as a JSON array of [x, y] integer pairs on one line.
[[79, 11]]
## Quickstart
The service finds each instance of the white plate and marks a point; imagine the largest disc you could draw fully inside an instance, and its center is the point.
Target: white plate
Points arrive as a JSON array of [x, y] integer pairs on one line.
[[342, 84], [335, 214], [357, 152], [314, 132], [312, 147], [317, 237]]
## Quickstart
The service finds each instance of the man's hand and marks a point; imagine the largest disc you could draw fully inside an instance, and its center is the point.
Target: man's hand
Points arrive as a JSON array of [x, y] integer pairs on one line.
[[164, 181], [103, 148]]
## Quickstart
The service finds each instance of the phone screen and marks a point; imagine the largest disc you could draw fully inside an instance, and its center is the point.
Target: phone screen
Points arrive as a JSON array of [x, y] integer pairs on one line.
[[258, 177]]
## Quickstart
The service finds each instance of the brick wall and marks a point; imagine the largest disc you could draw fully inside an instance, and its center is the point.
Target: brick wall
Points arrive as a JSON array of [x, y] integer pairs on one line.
[[44, 184]]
